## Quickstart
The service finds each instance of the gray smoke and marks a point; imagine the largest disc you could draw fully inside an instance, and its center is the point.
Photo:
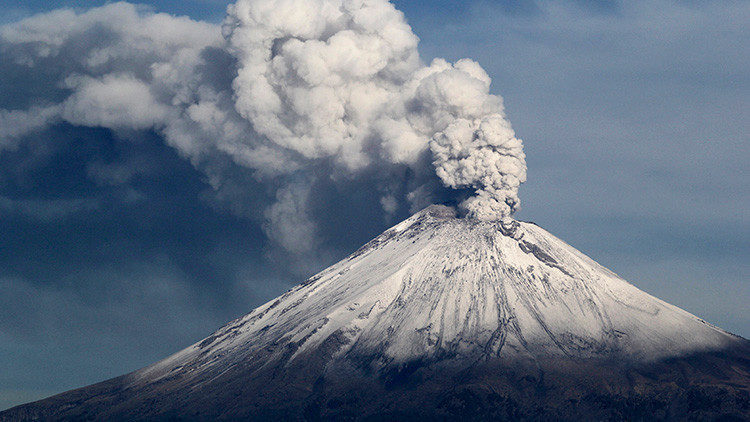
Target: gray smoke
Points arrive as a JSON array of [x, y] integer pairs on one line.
[[343, 79], [284, 88]]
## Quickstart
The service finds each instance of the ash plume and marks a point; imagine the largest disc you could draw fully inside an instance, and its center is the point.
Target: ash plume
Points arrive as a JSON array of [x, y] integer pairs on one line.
[[317, 90], [343, 79]]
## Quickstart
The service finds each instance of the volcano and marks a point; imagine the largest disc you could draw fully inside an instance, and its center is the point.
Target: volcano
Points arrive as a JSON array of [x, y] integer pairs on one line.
[[442, 317]]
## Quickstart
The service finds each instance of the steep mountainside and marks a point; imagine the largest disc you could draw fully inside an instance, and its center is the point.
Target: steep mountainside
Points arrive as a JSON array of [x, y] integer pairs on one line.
[[443, 317]]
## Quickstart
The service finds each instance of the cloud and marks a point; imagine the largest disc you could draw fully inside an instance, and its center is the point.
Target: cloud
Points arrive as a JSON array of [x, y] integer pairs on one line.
[[120, 33], [116, 66], [112, 101], [14, 124], [324, 91], [288, 223], [340, 80]]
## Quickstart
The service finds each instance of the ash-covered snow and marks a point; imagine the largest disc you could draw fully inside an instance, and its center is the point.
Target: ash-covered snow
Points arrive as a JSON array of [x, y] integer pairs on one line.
[[439, 287]]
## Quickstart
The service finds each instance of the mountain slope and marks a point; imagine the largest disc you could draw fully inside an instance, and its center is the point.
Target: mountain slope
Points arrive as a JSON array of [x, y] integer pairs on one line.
[[442, 316]]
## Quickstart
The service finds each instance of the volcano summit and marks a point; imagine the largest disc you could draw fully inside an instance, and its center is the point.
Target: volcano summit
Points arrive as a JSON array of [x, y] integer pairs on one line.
[[442, 317]]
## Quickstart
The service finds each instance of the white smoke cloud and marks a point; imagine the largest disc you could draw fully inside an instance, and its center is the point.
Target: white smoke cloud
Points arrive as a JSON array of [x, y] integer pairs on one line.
[[343, 79], [113, 101], [282, 87], [287, 219], [131, 35], [318, 76], [14, 124]]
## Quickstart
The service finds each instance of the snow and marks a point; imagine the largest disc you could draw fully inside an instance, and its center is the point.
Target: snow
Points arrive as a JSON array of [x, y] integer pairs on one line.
[[436, 285]]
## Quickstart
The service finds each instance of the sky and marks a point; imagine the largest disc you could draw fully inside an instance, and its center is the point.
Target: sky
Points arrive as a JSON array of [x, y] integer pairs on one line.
[[120, 244]]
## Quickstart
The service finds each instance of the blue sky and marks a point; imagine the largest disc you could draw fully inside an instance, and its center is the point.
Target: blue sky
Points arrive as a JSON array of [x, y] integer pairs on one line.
[[635, 123]]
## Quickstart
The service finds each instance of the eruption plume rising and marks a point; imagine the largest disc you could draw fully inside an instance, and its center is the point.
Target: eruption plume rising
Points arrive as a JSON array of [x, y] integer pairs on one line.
[[343, 78], [298, 91]]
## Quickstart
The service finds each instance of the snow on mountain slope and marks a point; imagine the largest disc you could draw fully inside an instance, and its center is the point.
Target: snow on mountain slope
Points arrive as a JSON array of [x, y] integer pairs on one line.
[[441, 318], [438, 287]]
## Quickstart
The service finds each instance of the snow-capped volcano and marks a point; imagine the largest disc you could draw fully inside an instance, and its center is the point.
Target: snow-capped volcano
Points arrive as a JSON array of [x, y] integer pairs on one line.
[[437, 304], [436, 286]]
